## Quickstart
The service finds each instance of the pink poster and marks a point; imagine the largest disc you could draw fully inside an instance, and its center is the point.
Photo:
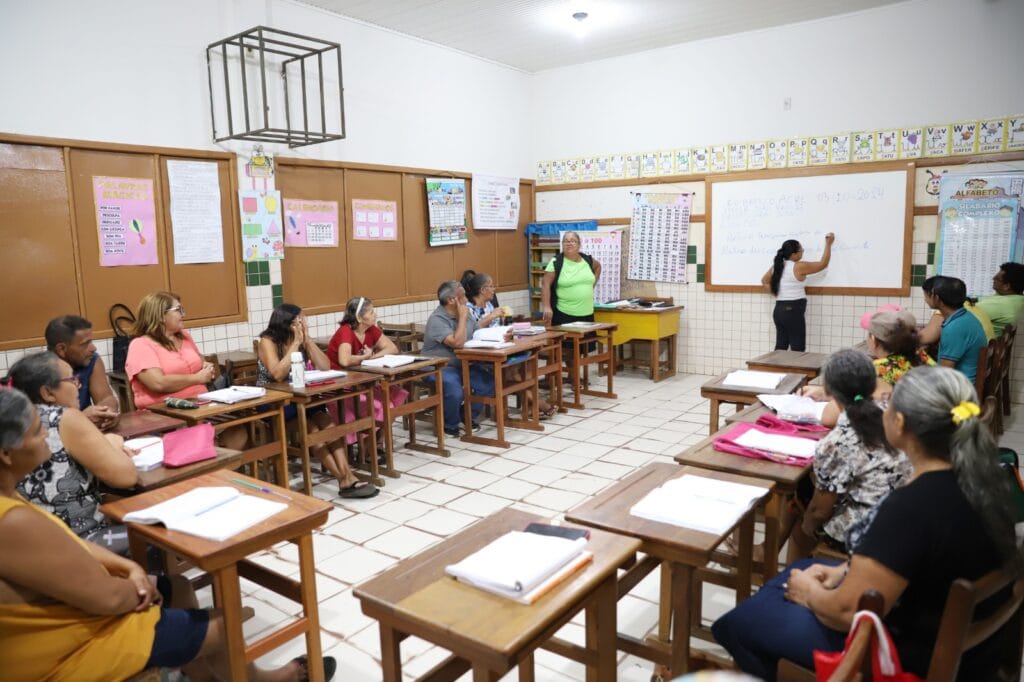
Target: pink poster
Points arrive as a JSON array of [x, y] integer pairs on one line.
[[374, 220], [309, 222], [125, 220]]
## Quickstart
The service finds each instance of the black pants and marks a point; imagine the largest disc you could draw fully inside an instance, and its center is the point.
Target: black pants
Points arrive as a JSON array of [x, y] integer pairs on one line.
[[790, 326]]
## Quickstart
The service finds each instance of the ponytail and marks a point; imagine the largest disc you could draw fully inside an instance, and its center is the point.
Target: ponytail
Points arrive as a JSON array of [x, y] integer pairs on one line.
[[850, 378], [789, 247], [353, 309]]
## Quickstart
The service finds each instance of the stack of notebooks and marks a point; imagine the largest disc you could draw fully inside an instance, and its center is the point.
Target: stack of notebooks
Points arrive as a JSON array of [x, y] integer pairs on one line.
[[794, 408], [699, 503], [489, 337], [390, 361], [234, 394], [525, 565], [214, 513], [753, 379], [149, 452]]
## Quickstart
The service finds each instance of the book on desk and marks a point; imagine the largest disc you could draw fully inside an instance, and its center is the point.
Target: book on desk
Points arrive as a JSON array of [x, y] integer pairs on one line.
[[213, 512]]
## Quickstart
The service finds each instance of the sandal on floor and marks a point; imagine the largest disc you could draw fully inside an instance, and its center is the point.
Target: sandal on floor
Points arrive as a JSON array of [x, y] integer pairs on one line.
[[358, 490], [548, 413], [330, 666]]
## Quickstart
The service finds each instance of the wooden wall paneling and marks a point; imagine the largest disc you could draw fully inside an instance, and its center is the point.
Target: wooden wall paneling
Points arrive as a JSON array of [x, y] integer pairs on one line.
[[511, 270], [375, 266], [315, 279], [425, 266], [480, 253], [37, 264], [104, 286], [211, 292]]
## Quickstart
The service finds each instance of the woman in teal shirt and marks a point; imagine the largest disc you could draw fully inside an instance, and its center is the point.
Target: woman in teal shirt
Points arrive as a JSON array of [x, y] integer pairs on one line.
[[567, 292]]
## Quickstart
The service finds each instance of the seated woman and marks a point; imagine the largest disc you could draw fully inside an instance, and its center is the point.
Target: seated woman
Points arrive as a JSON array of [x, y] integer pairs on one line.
[[163, 361], [67, 483], [106, 623], [954, 519], [479, 288], [358, 338], [287, 333], [855, 468]]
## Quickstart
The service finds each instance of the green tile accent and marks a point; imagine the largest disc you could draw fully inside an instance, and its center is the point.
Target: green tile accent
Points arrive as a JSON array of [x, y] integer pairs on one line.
[[251, 279], [252, 268], [931, 253], [264, 267], [277, 291], [700, 277], [916, 281], [264, 278], [277, 300], [918, 270], [691, 254]]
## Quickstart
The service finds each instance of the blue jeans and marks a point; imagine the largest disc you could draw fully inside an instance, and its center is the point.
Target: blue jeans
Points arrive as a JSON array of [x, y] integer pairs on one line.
[[480, 381], [767, 627]]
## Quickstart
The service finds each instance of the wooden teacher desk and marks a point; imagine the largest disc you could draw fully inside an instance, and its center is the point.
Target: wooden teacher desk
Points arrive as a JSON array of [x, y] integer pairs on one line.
[[225, 561], [651, 325], [681, 550], [144, 422], [225, 416], [718, 392], [789, 362], [488, 633], [592, 344]]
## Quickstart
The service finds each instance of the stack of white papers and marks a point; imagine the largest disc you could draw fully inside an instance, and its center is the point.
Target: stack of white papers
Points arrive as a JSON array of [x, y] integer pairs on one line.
[[234, 394], [581, 325], [700, 503], [531, 331], [317, 375], [215, 513], [150, 452], [480, 343], [746, 377], [794, 408], [517, 563], [793, 446], [390, 361]]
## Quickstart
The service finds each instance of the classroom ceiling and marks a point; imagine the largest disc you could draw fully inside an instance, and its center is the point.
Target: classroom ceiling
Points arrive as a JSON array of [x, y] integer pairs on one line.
[[534, 35]]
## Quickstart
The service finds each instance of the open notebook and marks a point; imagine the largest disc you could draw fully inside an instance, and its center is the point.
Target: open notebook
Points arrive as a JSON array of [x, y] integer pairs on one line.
[[390, 361], [696, 502], [214, 512], [234, 394], [149, 452], [794, 408]]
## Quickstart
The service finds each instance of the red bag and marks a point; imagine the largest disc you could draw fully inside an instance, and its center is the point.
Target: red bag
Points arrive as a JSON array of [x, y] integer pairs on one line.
[[726, 443], [188, 446], [885, 661]]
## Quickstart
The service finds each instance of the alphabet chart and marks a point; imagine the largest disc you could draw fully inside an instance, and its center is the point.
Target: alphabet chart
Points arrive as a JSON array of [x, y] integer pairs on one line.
[[659, 233]]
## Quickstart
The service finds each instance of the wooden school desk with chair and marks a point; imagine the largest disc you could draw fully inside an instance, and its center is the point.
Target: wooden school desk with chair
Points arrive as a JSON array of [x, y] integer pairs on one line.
[[679, 551], [226, 561], [789, 362], [649, 325], [552, 368], [144, 422], [486, 633], [591, 344], [716, 391]]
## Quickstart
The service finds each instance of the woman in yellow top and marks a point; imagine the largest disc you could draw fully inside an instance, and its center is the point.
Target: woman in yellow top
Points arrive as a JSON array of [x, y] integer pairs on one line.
[[71, 610], [567, 291]]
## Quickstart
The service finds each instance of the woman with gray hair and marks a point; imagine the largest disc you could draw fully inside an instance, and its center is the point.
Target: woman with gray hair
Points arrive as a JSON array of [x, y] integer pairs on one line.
[[953, 519]]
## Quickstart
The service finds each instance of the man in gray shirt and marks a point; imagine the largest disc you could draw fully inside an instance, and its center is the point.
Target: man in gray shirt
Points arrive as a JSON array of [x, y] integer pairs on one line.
[[448, 328]]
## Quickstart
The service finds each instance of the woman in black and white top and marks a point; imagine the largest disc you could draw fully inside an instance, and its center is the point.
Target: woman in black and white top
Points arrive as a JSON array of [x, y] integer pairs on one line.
[[785, 279]]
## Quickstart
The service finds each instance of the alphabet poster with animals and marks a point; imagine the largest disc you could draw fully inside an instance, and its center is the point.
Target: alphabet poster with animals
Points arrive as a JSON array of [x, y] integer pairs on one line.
[[125, 221], [262, 236]]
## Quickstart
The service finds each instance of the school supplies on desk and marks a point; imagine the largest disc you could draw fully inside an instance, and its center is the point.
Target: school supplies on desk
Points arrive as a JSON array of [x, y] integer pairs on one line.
[[758, 442], [496, 334], [794, 408], [215, 513], [581, 325], [322, 376], [753, 379], [697, 502], [180, 404], [233, 394], [480, 343], [390, 361], [188, 446], [149, 452]]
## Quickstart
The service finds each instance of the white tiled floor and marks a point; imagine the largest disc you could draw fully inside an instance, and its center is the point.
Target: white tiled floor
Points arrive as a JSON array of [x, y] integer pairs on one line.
[[579, 454]]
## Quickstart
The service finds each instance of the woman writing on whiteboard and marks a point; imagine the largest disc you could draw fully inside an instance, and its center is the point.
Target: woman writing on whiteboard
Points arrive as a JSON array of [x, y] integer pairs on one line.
[[785, 279]]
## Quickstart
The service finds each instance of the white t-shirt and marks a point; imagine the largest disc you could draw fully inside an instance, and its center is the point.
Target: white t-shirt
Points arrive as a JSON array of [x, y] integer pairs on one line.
[[790, 288]]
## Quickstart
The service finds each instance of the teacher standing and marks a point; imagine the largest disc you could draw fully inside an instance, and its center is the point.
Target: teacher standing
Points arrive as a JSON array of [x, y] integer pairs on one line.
[[786, 280], [567, 291]]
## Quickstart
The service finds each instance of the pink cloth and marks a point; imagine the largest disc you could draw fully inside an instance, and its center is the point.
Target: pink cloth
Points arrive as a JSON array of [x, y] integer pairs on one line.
[[398, 396], [865, 320], [145, 353]]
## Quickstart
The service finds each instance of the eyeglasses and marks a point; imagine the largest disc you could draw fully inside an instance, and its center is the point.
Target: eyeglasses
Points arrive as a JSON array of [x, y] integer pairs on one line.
[[177, 309], [74, 380]]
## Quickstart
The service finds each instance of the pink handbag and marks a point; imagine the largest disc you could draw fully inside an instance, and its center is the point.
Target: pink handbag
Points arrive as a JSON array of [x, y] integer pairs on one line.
[[774, 424], [188, 446], [726, 442]]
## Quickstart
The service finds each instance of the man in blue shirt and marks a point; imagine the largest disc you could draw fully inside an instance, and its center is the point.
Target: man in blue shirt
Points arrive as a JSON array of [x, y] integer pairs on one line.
[[963, 337], [69, 337]]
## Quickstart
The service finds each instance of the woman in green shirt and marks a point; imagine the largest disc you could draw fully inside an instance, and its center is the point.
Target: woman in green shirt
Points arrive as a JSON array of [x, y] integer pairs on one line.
[[567, 291]]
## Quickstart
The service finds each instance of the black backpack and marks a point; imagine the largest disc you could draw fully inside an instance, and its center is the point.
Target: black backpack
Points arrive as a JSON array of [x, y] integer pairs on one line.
[[559, 260]]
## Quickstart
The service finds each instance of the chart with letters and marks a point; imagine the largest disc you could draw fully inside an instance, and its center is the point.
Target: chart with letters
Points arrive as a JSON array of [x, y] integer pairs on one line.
[[658, 236]]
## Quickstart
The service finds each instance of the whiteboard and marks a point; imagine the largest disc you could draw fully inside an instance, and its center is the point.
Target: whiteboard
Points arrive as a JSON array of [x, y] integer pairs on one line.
[[870, 212]]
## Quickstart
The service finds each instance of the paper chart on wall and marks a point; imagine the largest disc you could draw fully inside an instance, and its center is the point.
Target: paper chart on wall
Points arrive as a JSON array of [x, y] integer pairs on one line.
[[125, 221], [195, 211], [446, 203], [262, 238], [606, 248], [496, 201], [374, 220], [310, 223], [659, 233]]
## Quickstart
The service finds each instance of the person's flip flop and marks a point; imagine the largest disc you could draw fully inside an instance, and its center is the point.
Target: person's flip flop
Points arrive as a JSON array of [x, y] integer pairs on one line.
[[358, 490]]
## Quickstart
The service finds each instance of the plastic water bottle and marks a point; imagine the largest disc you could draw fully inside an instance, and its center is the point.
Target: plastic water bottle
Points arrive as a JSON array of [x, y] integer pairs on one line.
[[298, 370]]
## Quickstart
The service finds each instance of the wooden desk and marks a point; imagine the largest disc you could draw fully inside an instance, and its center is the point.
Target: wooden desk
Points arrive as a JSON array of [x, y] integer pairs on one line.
[[164, 476], [652, 325], [225, 416], [498, 359], [405, 377], [717, 392], [552, 368], [599, 337], [142, 422], [354, 386], [225, 561], [487, 633], [790, 362], [682, 550], [748, 414]]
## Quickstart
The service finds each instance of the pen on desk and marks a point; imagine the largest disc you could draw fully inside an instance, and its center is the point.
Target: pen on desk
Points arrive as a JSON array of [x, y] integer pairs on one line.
[[259, 487]]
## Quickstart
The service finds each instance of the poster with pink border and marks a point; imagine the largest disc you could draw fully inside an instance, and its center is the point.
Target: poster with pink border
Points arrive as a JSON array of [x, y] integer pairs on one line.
[[310, 222], [374, 220], [125, 220]]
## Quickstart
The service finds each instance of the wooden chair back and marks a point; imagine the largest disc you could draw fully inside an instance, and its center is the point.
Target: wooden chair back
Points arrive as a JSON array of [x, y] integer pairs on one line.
[[241, 375], [1009, 334], [984, 370]]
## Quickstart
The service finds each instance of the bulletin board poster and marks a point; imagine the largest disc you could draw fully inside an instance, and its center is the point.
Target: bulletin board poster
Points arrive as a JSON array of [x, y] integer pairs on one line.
[[495, 202], [446, 205], [262, 238], [374, 220], [194, 187], [125, 220], [658, 236], [981, 227], [310, 223]]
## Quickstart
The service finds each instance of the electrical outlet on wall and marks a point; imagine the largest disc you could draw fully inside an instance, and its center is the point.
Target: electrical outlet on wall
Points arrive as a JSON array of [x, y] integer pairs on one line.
[[787, 103]]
